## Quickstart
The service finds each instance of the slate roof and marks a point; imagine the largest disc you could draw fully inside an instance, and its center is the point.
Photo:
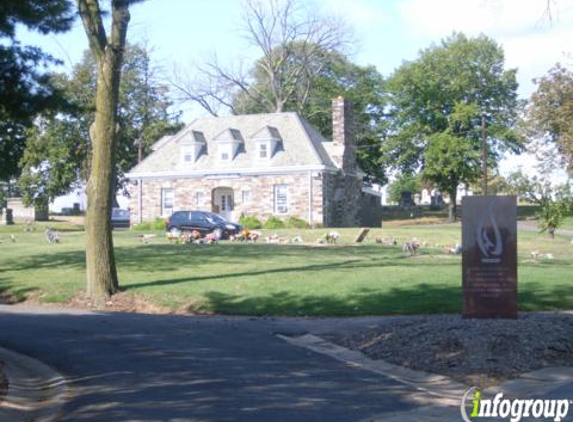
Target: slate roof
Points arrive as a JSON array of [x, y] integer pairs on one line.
[[301, 144]]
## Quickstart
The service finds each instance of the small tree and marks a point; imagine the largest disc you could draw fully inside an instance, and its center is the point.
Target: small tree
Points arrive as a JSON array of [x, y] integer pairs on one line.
[[450, 160], [555, 202], [404, 182]]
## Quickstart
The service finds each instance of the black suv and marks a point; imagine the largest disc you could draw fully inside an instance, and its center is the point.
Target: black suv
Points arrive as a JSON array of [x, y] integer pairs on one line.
[[202, 221]]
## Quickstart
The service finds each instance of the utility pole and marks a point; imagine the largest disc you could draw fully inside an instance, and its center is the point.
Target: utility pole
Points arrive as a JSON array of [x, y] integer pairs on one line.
[[483, 155], [139, 144]]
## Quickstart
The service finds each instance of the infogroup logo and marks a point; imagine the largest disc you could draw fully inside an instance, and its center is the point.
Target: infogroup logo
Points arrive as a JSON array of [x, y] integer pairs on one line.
[[512, 409]]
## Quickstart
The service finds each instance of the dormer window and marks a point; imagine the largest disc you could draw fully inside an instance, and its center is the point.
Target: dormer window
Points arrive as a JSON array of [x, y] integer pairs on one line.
[[193, 148], [268, 141], [230, 143]]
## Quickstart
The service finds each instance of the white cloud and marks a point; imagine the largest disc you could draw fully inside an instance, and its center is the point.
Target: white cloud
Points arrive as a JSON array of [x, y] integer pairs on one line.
[[531, 41]]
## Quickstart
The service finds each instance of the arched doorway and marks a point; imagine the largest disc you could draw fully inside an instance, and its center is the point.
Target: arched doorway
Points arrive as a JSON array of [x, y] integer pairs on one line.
[[223, 201]]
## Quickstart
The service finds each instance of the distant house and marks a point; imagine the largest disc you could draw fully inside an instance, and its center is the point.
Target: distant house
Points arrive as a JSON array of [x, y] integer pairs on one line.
[[260, 164]]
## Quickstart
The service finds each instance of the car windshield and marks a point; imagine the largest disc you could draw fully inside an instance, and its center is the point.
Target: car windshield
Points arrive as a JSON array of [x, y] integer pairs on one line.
[[119, 214], [216, 218]]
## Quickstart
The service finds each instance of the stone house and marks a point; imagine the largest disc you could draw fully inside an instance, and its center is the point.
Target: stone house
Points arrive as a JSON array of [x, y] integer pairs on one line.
[[260, 164]]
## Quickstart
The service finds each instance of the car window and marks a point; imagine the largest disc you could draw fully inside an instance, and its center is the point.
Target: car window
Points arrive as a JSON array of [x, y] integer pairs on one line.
[[216, 218], [197, 217], [119, 214]]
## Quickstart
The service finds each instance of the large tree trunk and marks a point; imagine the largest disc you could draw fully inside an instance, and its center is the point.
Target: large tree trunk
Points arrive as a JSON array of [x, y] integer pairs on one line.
[[453, 207], [102, 279], [100, 261]]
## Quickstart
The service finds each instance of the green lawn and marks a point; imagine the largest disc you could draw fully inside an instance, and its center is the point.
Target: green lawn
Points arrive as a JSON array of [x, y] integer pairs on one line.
[[568, 225], [262, 279]]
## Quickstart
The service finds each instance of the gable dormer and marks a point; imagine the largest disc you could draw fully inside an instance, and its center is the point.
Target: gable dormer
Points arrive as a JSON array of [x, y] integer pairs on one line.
[[193, 147], [229, 143], [267, 141]]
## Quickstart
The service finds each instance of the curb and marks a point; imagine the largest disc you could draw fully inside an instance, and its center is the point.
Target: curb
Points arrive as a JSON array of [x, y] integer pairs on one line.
[[439, 396], [35, 391]]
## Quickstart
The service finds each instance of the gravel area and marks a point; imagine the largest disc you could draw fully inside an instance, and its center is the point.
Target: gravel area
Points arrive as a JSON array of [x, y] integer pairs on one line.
[[3, 382], [476, 352]]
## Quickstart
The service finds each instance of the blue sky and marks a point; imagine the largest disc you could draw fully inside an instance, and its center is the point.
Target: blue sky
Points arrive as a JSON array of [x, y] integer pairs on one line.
[[388, 32]]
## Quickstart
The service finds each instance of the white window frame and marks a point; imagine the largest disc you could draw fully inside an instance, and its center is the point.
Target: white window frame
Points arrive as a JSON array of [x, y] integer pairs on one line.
[[280, 202], [264, 148], [246, 196], [199, 198], [187, 151], [165, 209], [226, 149]]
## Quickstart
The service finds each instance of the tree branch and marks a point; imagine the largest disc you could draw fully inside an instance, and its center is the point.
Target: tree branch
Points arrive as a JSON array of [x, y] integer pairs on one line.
[[90, 14]]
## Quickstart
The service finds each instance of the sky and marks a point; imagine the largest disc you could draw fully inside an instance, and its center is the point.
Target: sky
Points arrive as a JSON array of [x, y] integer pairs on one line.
[[388, 32]]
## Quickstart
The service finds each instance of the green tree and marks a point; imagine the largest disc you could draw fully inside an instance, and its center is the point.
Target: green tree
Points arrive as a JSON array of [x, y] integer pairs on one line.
[[25, 89], [555, 201], [363, 86], [449, 161], [404, 182], [58, 150], [550, 113], [442, 95]]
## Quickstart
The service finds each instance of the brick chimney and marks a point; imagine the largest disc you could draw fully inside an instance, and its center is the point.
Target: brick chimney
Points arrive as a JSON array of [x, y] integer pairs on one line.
[[343, 135]]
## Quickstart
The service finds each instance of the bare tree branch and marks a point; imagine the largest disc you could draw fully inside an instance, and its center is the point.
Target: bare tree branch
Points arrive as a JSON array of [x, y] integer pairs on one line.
[[292, 41]]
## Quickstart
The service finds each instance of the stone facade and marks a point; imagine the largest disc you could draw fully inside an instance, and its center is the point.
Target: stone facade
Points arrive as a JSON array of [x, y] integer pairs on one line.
[[252, 195], [323, 182]]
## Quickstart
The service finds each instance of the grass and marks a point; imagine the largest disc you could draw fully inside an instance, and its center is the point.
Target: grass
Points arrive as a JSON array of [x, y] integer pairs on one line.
[[263, 279], [568, 224]]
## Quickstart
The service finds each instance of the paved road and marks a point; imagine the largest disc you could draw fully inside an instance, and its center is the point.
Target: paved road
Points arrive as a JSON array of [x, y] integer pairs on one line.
[[130, 367]]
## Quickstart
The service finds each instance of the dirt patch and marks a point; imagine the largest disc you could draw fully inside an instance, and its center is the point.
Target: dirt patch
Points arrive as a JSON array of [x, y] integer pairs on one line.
[[120, 302], [475, 352], [3, 382]]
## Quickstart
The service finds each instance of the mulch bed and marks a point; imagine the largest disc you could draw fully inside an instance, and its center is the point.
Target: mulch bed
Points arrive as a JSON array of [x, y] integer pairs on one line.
[[475, 352]]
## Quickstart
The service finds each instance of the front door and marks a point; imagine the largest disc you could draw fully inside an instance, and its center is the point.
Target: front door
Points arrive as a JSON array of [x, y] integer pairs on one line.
[[224, 202]]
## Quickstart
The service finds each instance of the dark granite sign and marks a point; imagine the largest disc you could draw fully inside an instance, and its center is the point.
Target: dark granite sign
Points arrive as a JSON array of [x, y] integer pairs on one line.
[[489, 260]]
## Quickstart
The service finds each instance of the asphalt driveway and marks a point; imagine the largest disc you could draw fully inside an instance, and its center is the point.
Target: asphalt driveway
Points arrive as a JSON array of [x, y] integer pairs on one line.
[[134, 367]]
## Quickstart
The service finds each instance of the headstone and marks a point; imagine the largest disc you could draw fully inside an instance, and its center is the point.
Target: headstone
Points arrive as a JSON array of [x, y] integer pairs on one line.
[[406, 200], [361, 235], [489, 257]]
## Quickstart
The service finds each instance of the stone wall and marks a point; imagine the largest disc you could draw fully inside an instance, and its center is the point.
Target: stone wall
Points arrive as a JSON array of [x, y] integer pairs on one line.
[[261, 197], [342, 200], [22, 213]]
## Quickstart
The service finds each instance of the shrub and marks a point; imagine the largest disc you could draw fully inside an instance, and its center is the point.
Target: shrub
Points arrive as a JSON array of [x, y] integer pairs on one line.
[[157, 224], [274, 223], [250, 222], [296, 223], [146, 225]]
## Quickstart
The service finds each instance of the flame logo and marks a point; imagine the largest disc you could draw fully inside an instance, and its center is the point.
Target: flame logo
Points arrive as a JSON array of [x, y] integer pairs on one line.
[[489, 238]]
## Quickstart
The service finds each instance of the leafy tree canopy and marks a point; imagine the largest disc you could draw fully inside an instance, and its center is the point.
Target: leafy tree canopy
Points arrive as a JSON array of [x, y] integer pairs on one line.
[[404, 182], [550, 112], [25, 88], [438, 101], [334, 75], [58, 149]]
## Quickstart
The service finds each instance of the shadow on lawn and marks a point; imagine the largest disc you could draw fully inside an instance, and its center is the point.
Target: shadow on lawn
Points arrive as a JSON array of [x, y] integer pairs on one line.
[[169, 257], [421, 298], [10, 294]]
